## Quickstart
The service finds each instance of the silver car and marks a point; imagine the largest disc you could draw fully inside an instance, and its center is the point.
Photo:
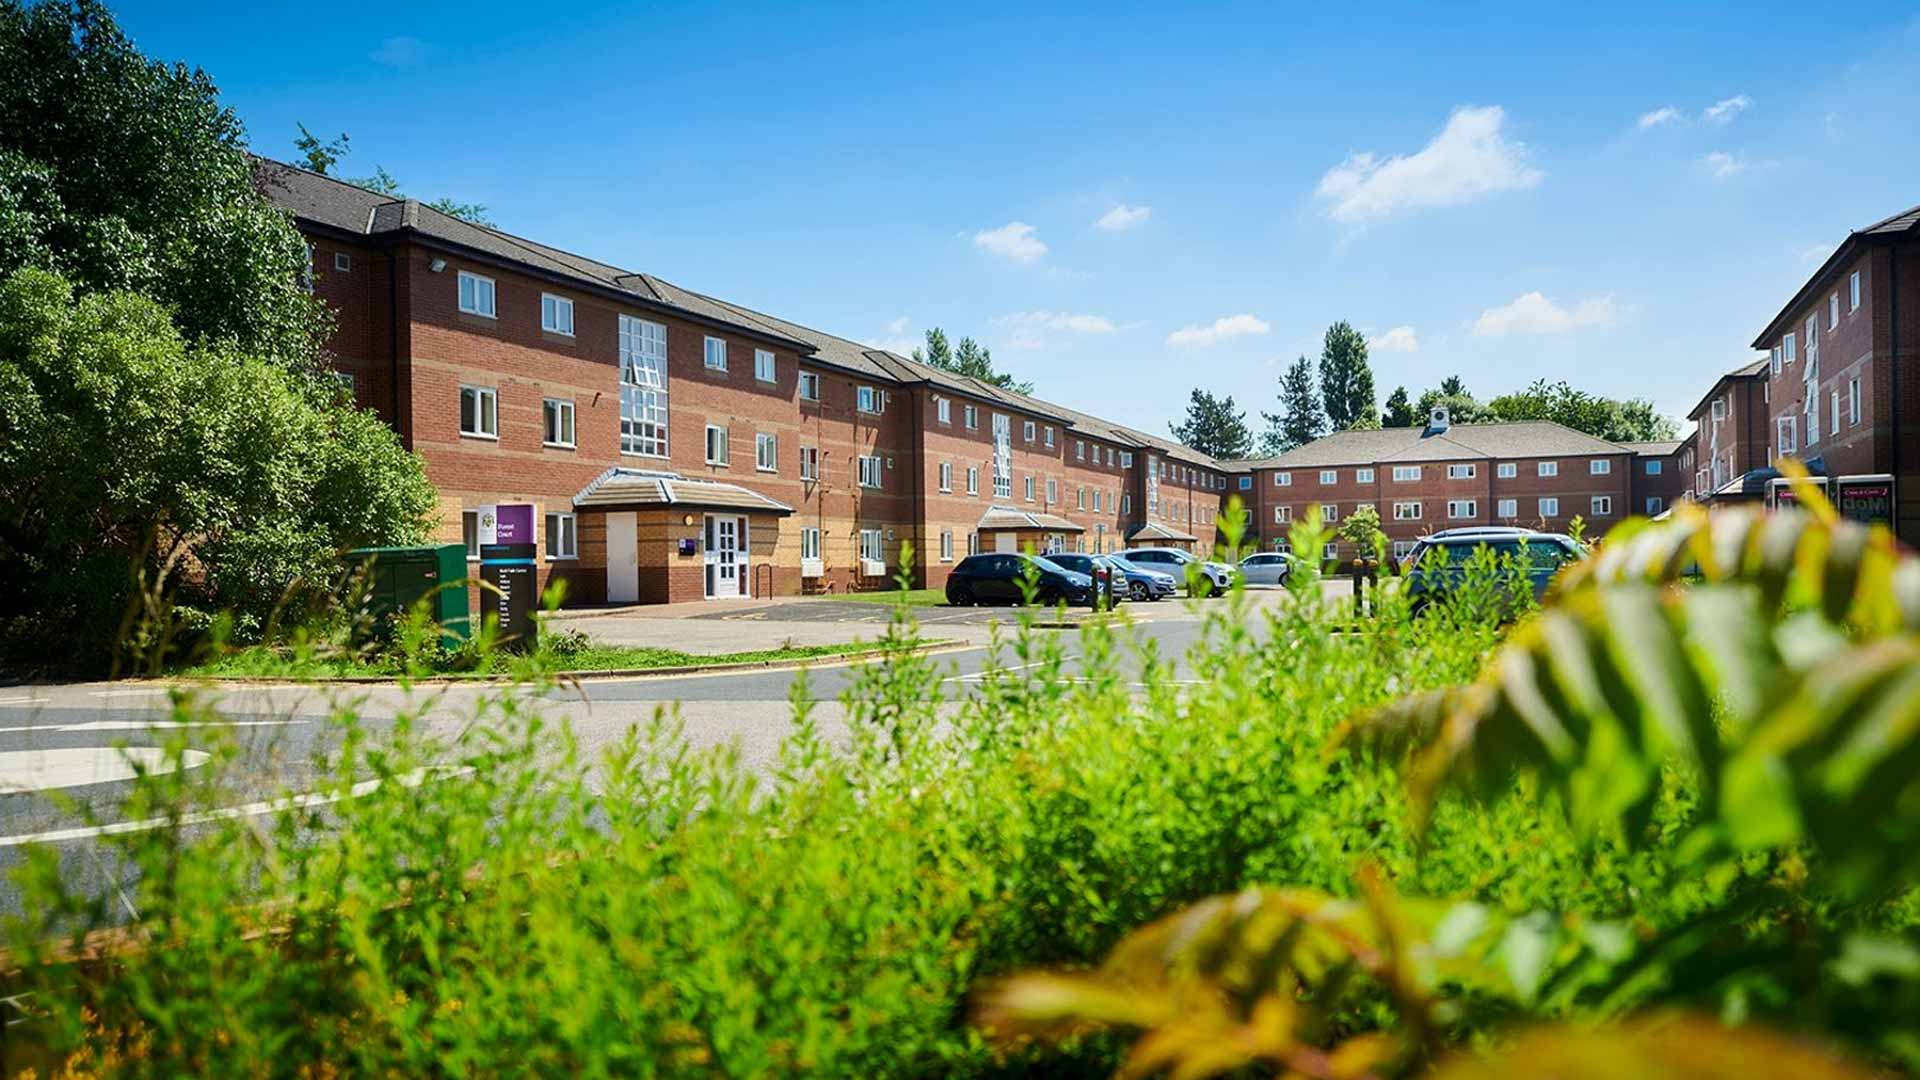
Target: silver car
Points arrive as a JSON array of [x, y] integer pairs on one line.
[[1214, 577], [1267, 568]]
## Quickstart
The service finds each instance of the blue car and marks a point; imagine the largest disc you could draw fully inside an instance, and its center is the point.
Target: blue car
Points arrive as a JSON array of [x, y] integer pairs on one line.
[[1142, 583]]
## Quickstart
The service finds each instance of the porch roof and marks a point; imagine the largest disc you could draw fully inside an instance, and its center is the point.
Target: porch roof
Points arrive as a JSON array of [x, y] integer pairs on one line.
[[629, 489], [1008, 517], [1153, 530]]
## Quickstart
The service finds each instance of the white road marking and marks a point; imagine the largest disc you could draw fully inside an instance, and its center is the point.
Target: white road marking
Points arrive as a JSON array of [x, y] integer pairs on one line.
[[79, 766], [254, 809], [140, 692], [146, 725], [18, 700]]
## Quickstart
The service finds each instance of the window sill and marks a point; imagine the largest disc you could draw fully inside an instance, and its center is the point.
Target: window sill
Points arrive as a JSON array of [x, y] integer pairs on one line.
[[764, 379], [550, 332], [479, 314], [560, 446], [563, 558], [764, 469], [484, 437], [718, 465]]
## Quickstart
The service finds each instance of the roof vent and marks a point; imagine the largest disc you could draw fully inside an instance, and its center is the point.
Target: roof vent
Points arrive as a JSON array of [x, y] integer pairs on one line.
[[1437, 420]]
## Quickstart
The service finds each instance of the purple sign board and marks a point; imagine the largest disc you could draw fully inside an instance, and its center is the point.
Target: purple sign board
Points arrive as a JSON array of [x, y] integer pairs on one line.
[[513, 523]]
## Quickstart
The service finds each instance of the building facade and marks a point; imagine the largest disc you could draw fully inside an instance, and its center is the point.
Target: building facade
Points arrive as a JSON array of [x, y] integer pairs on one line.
[[1732, 434]]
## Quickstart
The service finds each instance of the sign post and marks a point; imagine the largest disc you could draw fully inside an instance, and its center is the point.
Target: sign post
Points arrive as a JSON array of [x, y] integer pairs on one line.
[[1866, 499], [511, 574]]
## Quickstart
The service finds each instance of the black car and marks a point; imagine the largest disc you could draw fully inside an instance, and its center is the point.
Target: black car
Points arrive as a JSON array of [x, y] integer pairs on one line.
[[1087, 564], [999, 578]]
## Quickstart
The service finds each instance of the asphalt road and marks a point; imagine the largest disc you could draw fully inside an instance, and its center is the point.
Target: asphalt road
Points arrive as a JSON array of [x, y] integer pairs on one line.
[[67, 751]]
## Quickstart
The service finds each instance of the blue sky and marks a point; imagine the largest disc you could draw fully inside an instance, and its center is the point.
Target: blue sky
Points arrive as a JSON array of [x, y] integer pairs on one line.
[[1124, 204]]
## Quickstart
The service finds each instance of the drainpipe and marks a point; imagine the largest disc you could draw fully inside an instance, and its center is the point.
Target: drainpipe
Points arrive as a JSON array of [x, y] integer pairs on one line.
[[1893, 349]]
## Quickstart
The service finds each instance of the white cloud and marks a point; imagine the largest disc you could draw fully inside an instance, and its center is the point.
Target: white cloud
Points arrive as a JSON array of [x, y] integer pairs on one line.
[[1015, 240], [1230, 326], [1535, 314], [1398, 339], [399, 52], [1722, 165], [1665, 114], [1468, 159], [898, 326], [1030, 328], [1724, 110], [895, 339], [1123, 217]]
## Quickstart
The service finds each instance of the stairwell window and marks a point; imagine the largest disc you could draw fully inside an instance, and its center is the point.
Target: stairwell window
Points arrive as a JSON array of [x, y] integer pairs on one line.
[[763, 366], [479, 412], [557, 417], [476, 295], [643, 387], [563, 537], [869, 471], [716, 445], [556, 314], [716, 354], [766, 451]]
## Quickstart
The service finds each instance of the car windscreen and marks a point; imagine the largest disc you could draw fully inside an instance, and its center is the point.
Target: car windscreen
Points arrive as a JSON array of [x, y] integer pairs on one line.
[[1543, 554], [1049, 564]]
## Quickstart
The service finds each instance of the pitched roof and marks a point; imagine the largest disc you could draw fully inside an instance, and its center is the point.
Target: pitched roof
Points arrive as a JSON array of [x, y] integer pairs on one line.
[[1460, 442], [1756, 369], [1904, 224], [621, 486], [1655, 448]]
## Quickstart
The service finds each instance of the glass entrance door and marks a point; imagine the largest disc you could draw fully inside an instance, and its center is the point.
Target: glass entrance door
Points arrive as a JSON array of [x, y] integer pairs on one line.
[[726, 556]]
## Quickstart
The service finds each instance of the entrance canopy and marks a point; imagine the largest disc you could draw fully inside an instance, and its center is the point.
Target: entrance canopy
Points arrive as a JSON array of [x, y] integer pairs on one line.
[[641, 489], [1007, 517], [1153, 531]]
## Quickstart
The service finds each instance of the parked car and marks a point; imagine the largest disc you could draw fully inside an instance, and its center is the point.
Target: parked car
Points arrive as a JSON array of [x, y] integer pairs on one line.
[[1267, 568], [998, 579], [1087, 564], [1138, 582], [1214, 576], [1438, 563]]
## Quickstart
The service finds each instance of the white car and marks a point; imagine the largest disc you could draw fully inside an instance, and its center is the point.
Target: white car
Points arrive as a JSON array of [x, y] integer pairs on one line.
[[1267, 568], [1218, 577]]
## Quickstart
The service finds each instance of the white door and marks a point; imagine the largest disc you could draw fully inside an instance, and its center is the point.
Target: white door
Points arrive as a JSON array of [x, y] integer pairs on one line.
[[623, 559], [726, 556], [1006, 542]]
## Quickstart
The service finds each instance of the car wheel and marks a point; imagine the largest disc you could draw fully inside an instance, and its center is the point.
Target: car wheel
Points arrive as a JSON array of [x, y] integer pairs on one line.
[[1202, 588], [1137, 591], [960, 596], [1047, 597]]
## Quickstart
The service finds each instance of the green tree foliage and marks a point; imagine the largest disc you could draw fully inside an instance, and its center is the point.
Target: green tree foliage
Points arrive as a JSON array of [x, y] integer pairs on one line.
[[134, 463], [1632, 420], [1214, 427], [1361, 530], [122, 173], [322, 157], [1451, 394], [1346, 379], [969, 358], [1299, 420], [1399, 409]]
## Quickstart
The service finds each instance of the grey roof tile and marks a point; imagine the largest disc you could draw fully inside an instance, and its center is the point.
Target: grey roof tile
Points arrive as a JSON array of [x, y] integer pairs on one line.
[[1461, 442]]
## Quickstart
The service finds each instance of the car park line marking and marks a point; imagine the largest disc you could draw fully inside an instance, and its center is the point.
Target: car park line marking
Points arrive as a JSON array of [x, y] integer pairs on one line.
[[254, 809], [146, 725], [127, 693], [18, 700]]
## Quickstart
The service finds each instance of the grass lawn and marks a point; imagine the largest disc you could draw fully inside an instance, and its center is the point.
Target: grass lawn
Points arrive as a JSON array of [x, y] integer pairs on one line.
[[915, 597], [261, 661]]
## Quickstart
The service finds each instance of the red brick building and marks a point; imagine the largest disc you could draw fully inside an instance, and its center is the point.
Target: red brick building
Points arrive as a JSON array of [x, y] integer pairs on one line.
[[1732, 435], [1844, 388]]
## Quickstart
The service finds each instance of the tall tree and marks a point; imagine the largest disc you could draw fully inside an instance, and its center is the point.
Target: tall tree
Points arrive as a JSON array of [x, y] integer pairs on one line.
[[1399, 411], [1346, 379], [1461, 406], [969, 358], [124, 173], [1299, 420], [1454, 386], [1632, 420], [1214, 427], [319, 156], [322, 157]]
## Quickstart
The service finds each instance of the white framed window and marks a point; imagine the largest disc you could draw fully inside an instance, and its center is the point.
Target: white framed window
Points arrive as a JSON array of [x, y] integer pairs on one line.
[[557, 421], [946, 476], [1787, 351], [563, 537], [1053, 493], [1812, 407], [1719, 409], [1363, 476], [1548, 468], [973, 543], [1282, 515], [943, 410], [1853, 292], [556, 314], [1599, 467], [973, 479], [867, 400], [470, 533], [342, 262], [946, 545], [1655, 504], [766, 451], [643, 387], [809, 541], [476, 294], [1853, 401], [1406, 511], [1461, 472], [1027, 431], [1654, 468], [1330, 551], [1550, 507], [1046, 436], [869, 465], [1099, 500], [1080, 498], [1329, 513], [1506, 470], [972, 417], [1029, 487], [809, 463], [479, 412], [763, 367], [1403, 548], [1813, 348], [1126, 459], [1109, 457], [1833, 311], [1329, 476], [1602, 505], [716, 445], [716, 355], [1833, 415], [809, 386], [1773, 362], [1406, 474], [1283, 479], [1458, 509], [872, 546], [1079, 449], [1246, 483], [1786, 433], [1507, 508]]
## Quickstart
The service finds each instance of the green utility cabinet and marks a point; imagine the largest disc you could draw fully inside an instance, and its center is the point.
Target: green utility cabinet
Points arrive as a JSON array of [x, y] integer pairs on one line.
[[401, 577]]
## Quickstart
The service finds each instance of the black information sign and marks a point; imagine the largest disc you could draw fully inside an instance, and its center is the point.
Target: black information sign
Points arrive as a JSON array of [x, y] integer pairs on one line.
[[511, 572], [1868, 500]]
